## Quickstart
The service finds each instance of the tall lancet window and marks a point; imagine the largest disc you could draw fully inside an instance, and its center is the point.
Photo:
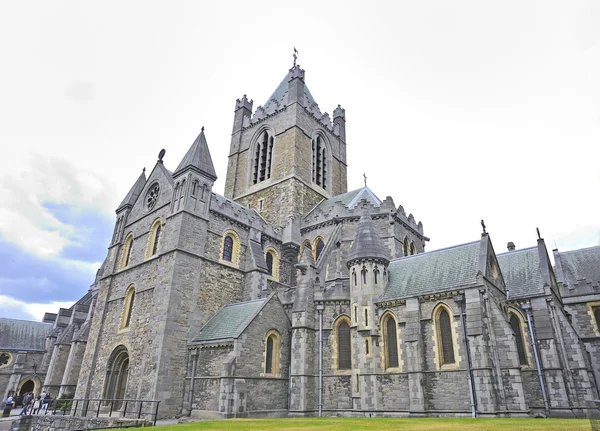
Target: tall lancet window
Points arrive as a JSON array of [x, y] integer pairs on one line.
[[263, 156], [319, 162]]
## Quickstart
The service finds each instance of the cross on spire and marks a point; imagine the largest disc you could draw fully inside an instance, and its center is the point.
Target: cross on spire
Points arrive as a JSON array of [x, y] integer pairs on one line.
[[295, 56], [365, 178]]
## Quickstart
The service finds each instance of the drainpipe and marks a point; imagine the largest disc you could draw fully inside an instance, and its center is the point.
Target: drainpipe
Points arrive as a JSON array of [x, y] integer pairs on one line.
[[320, 308], [460, 300], [527, 308], [193, 381]]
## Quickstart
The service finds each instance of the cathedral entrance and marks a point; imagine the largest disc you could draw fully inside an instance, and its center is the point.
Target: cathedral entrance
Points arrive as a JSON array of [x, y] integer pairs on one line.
[[27, 387], [117, 374]]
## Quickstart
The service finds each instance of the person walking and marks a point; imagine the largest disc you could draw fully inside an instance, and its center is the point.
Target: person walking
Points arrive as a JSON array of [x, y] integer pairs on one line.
[[47, 398], [26, 400], [8, 405], [35, 408]]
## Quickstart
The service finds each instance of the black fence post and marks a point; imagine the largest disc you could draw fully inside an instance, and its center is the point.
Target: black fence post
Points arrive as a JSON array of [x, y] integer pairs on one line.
[[75, 411], [98, 411], [111, 408], [156, 412], [140, 409], [125, 409]]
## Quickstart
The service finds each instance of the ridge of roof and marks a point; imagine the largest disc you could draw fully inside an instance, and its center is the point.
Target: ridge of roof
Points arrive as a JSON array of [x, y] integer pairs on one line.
[[504, 253], [579, 249], [426, 253]]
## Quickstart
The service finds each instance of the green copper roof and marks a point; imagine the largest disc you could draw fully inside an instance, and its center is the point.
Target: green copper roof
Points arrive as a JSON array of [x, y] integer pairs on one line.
[[522, 272], [434, 271], [279, 93], [230, 321]]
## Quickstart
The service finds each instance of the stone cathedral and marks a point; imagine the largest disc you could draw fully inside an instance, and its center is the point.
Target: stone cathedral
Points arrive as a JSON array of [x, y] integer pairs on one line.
[[291, 296]]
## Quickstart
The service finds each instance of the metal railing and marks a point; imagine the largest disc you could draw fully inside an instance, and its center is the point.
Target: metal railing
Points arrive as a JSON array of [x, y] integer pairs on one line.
[[102, 407]]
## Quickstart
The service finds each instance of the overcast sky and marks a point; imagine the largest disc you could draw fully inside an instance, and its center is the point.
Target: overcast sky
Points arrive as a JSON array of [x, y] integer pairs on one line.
[[461, 111]]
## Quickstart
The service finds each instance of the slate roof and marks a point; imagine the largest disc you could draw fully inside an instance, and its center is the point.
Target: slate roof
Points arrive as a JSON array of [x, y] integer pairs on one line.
[[230, 321], [581, 264], [198, 157], [349, 200], [522, 272], [279, 93], [434, 271], [135, 191], [367, 243], [23, 334], [258, 256]]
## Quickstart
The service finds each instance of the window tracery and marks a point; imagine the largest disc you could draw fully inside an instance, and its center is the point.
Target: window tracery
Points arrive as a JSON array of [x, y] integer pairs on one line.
[[319, 162], [263, 157]]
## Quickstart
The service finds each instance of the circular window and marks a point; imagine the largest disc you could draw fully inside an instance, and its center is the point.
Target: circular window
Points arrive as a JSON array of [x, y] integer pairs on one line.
[[5, 359], [152, 196]]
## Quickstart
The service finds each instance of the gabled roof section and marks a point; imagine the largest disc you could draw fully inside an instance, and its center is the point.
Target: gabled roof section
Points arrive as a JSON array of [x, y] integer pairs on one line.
[[349, 200], [198, 158], [434, 271], [367, 244], [134, 193], [23, 334], [280, 92], [578, 265], [522, 273], [230, 321]]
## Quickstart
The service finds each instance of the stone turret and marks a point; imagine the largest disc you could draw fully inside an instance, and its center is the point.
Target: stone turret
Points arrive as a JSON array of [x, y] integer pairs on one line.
[[194, 178]]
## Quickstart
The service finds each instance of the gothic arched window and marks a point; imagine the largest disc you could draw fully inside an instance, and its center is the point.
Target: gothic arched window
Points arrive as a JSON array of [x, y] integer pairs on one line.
[[515, 324], [376, 274], [126, 252], [319, 162], [263, 156], [354, 276], [364, 275], [128, 307], [445, 341], [272, 352], [406, 246], [413, 249], [153, 238], [597, 316], [228, 248], [319, 246], [269, 259], [391, 342], [344, 349]]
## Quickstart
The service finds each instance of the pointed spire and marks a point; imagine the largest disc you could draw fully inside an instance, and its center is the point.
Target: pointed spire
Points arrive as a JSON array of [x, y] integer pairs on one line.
[[198, 158], [135, 191], [367, 243]]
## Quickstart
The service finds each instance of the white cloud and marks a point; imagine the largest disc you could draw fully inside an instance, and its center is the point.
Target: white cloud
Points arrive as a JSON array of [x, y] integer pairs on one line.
[[15, 308]]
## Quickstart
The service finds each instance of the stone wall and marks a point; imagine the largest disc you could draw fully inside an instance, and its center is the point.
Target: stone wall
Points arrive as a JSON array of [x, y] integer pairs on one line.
[[66, 423]]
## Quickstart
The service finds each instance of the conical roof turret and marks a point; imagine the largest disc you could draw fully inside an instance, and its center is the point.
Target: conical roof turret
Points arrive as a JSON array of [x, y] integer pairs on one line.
[[198, 158], [367, 243], [135, 191]]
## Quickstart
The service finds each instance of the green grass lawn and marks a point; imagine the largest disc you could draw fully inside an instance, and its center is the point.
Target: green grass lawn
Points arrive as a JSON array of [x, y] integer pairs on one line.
[[384, 424]]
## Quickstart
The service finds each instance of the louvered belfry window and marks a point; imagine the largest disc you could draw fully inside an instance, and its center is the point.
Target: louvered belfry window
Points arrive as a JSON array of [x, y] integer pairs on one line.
[[515, 324], [263, 158], [392, 343], [319, 162], [269, 359], [445, 333], [344, 350]]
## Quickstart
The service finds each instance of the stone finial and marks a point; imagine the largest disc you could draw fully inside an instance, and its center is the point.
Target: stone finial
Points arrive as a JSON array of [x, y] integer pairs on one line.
[[244, 103], [339, 112], [511, 246], [161, 155], [297, 72]]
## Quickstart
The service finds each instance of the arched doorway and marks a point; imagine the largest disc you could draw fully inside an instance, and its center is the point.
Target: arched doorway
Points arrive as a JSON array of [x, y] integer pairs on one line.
[[117, 374], [28, 386]]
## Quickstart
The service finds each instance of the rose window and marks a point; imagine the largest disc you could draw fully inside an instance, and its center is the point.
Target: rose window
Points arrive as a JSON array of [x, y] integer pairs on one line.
[[152, 196], [4, 358]]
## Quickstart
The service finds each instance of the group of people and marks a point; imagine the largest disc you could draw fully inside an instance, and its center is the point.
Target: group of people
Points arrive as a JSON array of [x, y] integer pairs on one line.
[[31, 405]]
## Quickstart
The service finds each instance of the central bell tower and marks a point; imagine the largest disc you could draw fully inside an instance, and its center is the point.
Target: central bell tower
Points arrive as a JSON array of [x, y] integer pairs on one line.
[[286, 156]]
